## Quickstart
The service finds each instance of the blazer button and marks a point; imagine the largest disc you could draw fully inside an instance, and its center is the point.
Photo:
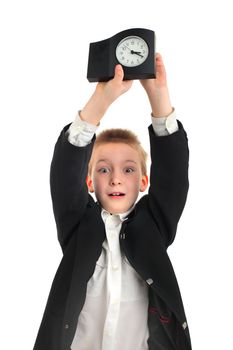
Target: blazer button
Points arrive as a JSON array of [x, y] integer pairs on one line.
[[66, 326], [149, 281], [122, 235]]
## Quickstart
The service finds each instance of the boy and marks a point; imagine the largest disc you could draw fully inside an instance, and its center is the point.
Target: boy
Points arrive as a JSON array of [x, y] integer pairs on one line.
[[115, 287]]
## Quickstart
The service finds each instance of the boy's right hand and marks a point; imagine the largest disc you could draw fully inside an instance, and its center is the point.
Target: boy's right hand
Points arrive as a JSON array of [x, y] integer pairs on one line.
[[104, 95]]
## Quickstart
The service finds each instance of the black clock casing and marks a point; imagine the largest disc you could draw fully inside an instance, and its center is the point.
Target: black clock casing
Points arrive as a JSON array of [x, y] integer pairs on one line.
[[102, 57]]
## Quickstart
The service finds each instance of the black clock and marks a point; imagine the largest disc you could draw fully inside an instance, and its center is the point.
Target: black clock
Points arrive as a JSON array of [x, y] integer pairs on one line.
[[133, 48]]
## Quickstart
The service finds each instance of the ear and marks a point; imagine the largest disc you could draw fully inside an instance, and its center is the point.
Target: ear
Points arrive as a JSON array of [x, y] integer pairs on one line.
[[89, 184], [144, 183]]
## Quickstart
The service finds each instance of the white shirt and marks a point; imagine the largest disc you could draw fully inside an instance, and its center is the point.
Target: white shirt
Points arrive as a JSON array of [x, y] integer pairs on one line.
[[115, 312]]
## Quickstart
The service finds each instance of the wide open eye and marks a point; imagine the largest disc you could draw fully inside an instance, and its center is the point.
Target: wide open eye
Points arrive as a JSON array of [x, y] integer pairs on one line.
[[103, 170], [129, 170]]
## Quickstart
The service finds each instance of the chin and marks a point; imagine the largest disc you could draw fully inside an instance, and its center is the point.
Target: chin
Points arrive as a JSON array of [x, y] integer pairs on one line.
[[116, 207]]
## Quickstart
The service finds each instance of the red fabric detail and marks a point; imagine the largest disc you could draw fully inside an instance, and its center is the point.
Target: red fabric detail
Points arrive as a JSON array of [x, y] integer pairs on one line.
[[163, 319]]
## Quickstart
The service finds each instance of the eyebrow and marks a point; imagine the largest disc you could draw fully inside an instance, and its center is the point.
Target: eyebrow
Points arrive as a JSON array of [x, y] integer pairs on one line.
[[107, 161], [129, 160]]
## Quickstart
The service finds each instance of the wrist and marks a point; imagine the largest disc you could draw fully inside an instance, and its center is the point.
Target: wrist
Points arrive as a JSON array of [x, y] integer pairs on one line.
[[94, 109], [164, 115], [157, 91], [160, 102], [162, 111]]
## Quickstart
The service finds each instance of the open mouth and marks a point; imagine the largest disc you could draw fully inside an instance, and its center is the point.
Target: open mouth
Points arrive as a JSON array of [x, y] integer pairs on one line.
[[117, 194]]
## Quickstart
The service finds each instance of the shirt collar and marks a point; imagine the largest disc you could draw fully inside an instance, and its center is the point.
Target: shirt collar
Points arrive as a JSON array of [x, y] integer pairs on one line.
[[122, 216]]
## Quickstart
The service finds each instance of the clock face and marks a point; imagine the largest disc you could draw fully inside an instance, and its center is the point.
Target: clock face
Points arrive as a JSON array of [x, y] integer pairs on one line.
[[132, 51]]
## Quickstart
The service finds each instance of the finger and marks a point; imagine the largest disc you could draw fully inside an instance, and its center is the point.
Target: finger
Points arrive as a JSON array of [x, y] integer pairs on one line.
[[160, 68], [158, 55], [158, 59], [119, 73]]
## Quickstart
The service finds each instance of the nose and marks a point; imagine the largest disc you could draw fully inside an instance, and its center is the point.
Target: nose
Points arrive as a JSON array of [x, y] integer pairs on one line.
[[115, 179], [115, 182]]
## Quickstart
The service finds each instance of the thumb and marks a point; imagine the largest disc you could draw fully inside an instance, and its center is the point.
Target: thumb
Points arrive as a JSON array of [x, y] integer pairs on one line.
[[119, 73]]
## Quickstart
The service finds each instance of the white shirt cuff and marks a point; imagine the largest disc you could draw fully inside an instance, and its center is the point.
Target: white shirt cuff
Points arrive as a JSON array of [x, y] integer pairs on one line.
[[80, 132], [165, 125]]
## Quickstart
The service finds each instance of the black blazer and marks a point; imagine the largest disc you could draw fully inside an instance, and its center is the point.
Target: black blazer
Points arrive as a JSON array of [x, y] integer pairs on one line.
[[144, 238]]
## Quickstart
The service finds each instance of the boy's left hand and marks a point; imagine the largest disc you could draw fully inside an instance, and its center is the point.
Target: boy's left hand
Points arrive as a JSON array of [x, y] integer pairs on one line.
[[157, 90], [161, 78]]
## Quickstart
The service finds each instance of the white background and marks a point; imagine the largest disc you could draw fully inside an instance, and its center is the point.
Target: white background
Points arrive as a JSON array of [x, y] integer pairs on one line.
[[44, 49]]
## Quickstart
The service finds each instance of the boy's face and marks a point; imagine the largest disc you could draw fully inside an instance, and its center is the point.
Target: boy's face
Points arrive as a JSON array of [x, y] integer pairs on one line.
[[116, 176]]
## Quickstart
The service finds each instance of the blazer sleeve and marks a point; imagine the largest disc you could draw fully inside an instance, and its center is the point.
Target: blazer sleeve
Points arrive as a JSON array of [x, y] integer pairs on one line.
[[168, 180], [69, 191]]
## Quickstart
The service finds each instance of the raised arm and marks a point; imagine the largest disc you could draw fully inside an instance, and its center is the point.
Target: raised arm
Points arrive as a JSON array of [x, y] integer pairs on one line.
[[168, 180], [68, 188], [104, 95], [169, 155], [157, 90]]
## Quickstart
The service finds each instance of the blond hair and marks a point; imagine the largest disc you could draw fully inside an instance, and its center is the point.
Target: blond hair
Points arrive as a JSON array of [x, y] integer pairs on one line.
[[126, 136]]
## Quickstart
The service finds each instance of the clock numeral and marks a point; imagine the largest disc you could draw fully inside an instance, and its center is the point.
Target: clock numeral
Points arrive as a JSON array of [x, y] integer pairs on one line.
[[132, 42], [132, 62]]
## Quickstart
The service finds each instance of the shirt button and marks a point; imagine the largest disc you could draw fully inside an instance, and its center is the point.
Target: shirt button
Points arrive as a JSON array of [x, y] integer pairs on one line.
[[109, 333]]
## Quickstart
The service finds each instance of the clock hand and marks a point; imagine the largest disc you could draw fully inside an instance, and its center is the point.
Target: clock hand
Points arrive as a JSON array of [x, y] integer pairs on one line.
[[137, 53], [134, 52]]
